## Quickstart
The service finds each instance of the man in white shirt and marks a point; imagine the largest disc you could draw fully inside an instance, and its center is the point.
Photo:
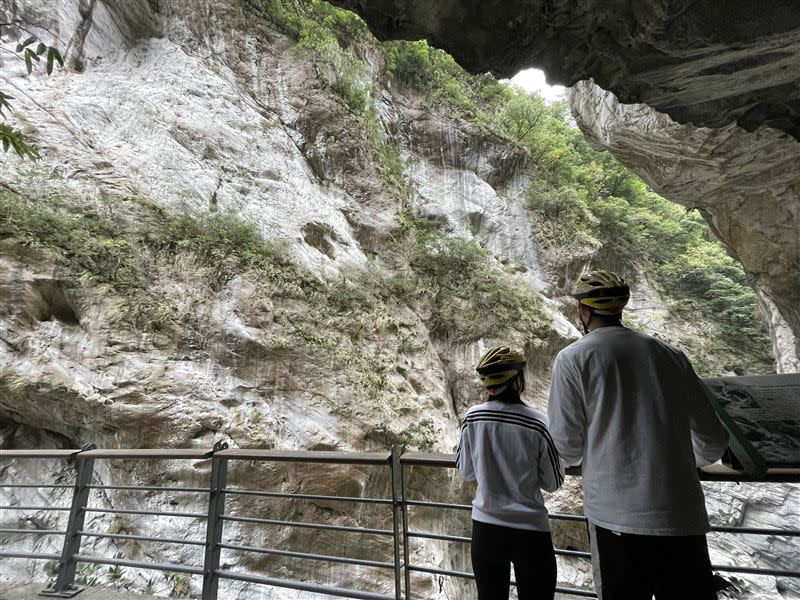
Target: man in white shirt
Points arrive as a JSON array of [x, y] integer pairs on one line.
[[632, 411]]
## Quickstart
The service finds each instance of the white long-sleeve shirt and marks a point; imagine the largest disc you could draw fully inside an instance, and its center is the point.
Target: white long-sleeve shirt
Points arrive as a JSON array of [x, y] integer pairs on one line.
[[507, 449], [631, 409]]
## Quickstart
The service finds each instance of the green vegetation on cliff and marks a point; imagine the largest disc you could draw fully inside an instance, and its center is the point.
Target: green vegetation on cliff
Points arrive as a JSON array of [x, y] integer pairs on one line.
[[588, 203], [166, 271], [587, 206], [458, 284]]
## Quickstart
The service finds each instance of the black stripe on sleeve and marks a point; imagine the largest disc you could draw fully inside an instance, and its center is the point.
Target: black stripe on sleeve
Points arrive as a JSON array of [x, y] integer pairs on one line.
[[530, 423]]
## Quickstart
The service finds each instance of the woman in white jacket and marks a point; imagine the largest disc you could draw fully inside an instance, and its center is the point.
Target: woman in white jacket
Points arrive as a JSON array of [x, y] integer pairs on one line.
[[505, 446]]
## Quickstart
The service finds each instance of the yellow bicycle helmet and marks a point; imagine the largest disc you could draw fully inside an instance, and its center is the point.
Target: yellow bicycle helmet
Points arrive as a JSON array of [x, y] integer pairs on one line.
[[604, 291], [499, 365]]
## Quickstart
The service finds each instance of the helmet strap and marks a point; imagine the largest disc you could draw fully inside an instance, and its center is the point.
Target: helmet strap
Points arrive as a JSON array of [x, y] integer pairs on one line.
[[519, 382], [497, 391], [588, 321]]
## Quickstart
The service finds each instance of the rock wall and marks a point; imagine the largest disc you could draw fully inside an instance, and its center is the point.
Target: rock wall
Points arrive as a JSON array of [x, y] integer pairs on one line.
[[199, 106], [699, 99]]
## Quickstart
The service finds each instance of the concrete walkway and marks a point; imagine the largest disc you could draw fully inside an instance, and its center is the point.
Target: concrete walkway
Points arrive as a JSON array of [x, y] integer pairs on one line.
[[29, 591]]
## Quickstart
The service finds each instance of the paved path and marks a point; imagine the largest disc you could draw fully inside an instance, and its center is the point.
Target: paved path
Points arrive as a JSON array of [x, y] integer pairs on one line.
[[28, 591]]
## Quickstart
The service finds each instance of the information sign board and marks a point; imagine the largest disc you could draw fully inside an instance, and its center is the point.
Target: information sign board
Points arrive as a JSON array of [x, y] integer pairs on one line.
[[762, 413]]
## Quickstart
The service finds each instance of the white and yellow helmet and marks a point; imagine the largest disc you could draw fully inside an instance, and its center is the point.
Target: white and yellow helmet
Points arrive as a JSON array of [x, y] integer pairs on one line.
[[604, 291], [499, 365]]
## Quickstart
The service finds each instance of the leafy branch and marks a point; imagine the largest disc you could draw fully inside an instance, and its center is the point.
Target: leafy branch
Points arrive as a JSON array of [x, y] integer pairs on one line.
[[10, 137], [13, 138], [53, 55]]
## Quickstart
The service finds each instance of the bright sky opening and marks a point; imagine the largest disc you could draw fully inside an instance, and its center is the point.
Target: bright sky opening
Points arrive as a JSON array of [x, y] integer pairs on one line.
[[533, 80]]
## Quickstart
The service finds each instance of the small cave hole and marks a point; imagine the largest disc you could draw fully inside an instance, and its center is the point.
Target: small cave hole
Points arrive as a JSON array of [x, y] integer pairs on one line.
[[47, 302], [474, 222], [318, 235]]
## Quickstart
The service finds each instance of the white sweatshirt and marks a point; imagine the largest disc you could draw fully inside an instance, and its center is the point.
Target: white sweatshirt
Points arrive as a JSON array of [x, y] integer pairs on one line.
[[507, 449], [632, 410]]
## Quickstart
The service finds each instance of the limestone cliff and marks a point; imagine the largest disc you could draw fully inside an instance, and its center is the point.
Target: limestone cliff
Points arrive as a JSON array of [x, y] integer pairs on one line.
[[699, 98]]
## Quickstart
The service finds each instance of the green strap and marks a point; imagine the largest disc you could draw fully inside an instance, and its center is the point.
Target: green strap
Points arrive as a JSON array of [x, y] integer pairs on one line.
[[752, 461]]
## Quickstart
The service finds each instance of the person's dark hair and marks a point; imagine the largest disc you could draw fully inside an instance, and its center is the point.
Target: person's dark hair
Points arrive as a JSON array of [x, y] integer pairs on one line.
[[511, 395], [609, 319]]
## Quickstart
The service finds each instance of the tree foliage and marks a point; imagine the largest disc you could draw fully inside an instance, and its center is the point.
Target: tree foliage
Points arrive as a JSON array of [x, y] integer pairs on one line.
[[328, 36], [441, 81], [12, 138]]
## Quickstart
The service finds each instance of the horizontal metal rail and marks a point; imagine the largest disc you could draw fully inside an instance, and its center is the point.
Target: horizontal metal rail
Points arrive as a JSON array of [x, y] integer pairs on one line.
[[29, 555], [138, 564], [353, 499], [23, 507], [563, 517], [428, 504], [439, 536], [155, 513], [142, 538], [756, 571], [448, 572], [49, 453], [575, 553], [468, 540], [302, 524], [468, 575], [306, 555], [34, 531], [578, 518], [146, 454], [708, 473], [148, 488], [774, 475], [38, 485], [756, 531], [576, 592], [303, 586], [450, 505], [306, 456], [715, 472]]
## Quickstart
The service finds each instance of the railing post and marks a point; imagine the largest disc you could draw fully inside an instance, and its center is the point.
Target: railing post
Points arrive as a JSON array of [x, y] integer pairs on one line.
[[406, 550], [65, 587], [216, 509], [397, 508]]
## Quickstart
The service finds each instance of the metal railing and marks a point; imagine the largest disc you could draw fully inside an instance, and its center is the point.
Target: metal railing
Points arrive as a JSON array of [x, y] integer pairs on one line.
[[399, 506]]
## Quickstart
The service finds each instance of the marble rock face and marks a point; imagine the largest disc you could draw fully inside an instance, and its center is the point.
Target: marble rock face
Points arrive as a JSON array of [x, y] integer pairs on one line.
[[184, 105]]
